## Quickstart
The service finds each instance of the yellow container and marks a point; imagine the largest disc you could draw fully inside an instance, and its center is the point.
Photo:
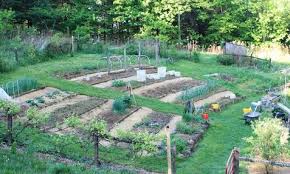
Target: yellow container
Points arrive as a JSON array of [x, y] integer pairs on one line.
[[247, 110], [216, 106]]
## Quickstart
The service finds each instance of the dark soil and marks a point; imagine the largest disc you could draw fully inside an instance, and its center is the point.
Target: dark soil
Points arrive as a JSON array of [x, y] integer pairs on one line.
[[59, 115], [153, 123], [163, 91], [112, 117]]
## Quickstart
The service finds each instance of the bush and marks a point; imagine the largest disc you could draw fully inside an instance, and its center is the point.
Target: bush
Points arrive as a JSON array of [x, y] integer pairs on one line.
[[118, 83], [122, 103], [225, 60], [187, 117], [184, 128], [269, 140]]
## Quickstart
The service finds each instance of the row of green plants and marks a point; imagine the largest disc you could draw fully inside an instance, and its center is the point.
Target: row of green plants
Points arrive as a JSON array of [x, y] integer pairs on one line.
[[198, 92], [20, 86]]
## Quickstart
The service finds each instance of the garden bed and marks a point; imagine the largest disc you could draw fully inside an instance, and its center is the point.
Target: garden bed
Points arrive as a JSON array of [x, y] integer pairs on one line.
[[161, 91], [112, 118], [102, 77], [153, 123], [58, 115], [135, 84]]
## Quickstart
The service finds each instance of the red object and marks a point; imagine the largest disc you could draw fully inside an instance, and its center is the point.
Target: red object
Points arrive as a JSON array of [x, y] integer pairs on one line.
[[205, 116]]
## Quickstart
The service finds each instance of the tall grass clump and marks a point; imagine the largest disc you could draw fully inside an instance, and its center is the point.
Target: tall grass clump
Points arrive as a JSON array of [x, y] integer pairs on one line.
[[20, 86], [197, 92], [7, 65]]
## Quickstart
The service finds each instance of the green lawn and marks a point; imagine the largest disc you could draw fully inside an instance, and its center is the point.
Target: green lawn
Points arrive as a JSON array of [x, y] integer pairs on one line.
[[226, 130]]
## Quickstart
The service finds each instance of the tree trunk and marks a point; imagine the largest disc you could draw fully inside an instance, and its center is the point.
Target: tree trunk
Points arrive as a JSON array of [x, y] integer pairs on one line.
[[9, 129], [96, 147], [16, 55]]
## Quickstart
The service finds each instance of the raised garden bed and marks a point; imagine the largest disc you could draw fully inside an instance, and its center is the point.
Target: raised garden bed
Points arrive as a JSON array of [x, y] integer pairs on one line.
[[135, 84], [114, 75], [113, 118], [153, 123], [49, 98], [163, 91], [57, 116]]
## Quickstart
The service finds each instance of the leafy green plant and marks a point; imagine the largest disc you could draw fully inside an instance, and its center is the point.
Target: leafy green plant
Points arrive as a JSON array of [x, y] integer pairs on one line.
[[187, 117], [140, 141], [225, 60], [269, 140], [185, 128], [118, 83], [6, 65], [197, 92], [122, 103], [180, 143]]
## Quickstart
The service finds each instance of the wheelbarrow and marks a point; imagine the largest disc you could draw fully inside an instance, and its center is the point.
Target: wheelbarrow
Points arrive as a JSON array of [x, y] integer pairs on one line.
[[251, 116]]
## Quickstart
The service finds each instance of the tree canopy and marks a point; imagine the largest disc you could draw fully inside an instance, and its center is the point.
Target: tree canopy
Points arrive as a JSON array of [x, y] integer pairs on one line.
[[205, 21]]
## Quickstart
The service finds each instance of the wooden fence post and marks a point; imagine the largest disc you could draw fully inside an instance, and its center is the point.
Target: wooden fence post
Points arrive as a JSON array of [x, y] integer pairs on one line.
[[168, 150], [236, 161], [174, 158]]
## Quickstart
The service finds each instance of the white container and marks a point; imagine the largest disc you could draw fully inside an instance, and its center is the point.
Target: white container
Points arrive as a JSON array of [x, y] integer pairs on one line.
[[177, 74], [161, 71], [141, 75], [156, 76], [172, 73]]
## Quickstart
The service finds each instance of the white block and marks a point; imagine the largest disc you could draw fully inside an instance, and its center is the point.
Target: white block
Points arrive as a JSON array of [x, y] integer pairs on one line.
[[141, 75], [161, 71]]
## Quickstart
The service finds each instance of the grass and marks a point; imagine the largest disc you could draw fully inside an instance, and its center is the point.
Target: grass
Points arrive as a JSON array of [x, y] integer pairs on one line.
[[225, 132]]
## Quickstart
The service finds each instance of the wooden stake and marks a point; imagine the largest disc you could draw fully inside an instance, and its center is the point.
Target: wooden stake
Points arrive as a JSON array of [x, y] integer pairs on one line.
[[168, 150]]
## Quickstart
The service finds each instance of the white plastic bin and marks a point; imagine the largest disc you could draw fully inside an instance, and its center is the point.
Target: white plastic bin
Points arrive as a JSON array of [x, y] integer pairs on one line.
[[161, 71], [141, 75], [171, 73], [177, 74]]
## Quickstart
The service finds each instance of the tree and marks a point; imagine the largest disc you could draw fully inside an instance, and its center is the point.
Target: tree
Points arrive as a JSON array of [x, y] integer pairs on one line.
[[10, 110], [269, 140], [96, 129]]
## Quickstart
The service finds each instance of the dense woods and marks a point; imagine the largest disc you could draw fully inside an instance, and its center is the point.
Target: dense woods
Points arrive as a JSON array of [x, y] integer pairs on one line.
[[204, 21]]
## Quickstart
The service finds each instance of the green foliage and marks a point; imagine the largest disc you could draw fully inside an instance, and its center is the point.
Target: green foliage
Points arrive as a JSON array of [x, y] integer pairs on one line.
[[9, 108], [269, 140], [122, 103], [196, 57], [20, 86], [197, 92], [73, 121], [119, 83], [140, 141], [225, 60], [187, 117], [35, 117], [60, 169], [185, 128], [6, 65], [180, 143], [97, 126]]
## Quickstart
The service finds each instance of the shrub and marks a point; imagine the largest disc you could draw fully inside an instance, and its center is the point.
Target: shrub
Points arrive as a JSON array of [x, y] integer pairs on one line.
[[225, 60], [118, 83], [187, 117], [269, 140], [122, 103], [185, 128]]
